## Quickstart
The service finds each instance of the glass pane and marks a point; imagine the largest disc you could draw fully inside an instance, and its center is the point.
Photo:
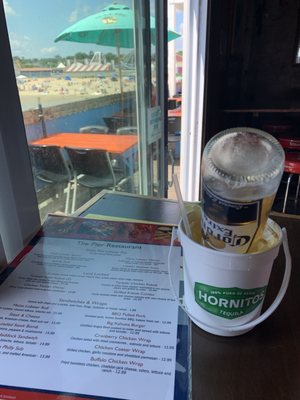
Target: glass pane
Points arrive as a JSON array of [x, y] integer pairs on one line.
[[75, 93], [155, 146], [175, 17]]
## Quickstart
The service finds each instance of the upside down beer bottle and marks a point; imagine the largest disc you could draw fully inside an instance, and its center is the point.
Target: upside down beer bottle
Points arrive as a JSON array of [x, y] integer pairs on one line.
[[241, 172]]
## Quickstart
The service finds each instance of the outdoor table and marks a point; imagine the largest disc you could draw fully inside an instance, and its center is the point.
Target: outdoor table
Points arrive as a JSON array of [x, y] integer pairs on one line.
[[176, 112], [122, 145], [261, 364]]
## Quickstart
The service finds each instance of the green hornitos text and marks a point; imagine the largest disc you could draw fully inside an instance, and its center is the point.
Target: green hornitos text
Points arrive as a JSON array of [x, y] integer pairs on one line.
[[228, 303]]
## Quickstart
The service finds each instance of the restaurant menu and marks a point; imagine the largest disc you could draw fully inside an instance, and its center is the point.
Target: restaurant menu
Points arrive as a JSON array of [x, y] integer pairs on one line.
[[87, 310]]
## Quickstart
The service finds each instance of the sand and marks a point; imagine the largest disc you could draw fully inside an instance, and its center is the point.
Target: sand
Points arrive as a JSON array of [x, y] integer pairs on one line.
[[52, 91]]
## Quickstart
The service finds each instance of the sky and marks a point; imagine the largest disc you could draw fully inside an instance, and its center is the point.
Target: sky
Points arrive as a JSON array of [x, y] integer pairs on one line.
[[34, 24]]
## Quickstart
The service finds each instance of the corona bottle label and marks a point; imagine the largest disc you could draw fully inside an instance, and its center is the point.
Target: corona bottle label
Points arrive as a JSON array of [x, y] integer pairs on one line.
[[228, 225]]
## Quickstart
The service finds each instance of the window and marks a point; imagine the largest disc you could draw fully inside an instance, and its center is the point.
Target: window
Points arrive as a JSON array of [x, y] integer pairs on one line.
[[77, 90]]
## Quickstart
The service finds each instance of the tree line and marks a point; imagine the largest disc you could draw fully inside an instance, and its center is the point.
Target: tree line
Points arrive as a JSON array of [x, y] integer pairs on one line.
[[52, 62]]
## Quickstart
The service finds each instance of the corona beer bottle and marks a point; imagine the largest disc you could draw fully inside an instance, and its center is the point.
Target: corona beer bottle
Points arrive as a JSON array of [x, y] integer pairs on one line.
[[241, 172]]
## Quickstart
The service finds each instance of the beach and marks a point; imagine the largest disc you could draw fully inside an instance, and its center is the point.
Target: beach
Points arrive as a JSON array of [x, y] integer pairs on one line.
[[51, 91]]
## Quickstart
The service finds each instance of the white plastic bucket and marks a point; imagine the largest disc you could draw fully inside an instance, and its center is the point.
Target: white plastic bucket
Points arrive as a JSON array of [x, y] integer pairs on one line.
[[224, 292]]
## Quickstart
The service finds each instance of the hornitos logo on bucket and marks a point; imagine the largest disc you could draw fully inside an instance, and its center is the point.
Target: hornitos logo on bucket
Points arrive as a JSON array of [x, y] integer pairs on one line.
[[228, 303]]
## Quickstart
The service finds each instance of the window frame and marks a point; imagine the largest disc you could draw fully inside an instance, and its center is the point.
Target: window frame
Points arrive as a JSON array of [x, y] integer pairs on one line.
[[193, 89], [19, 214]]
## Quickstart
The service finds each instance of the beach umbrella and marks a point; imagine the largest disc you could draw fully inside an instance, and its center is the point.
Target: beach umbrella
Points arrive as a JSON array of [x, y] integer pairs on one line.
[[113, 26]]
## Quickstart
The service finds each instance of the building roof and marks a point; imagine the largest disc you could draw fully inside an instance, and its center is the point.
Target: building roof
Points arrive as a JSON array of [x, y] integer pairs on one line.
[[36, 69]]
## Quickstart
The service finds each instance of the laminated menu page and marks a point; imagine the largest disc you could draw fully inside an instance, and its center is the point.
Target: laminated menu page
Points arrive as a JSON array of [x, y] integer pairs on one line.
[[87, 312]]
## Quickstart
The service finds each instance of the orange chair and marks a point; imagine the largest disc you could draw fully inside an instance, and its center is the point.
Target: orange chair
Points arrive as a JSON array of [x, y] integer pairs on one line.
[[292, 164]]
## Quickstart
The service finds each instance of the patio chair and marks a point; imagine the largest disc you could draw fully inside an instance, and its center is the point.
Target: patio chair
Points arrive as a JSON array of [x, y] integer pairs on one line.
[[94, 129], [174, 125], [172, 143], [92, 169], [114, 123], [127, 130], [50, 166], [171, 104]]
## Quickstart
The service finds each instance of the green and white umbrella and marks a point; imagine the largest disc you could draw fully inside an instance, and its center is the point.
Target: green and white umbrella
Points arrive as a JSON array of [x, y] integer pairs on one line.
[[113, 26]]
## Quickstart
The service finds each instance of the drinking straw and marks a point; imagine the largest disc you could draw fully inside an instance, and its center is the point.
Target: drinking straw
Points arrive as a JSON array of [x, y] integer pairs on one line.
[[182, 207]]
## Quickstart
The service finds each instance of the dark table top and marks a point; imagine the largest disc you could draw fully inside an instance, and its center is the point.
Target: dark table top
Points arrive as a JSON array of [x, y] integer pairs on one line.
[[131, 206], [262, 364]]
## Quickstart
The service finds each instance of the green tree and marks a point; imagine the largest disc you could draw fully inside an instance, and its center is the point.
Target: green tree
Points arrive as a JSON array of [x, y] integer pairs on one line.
[[80, 56]]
